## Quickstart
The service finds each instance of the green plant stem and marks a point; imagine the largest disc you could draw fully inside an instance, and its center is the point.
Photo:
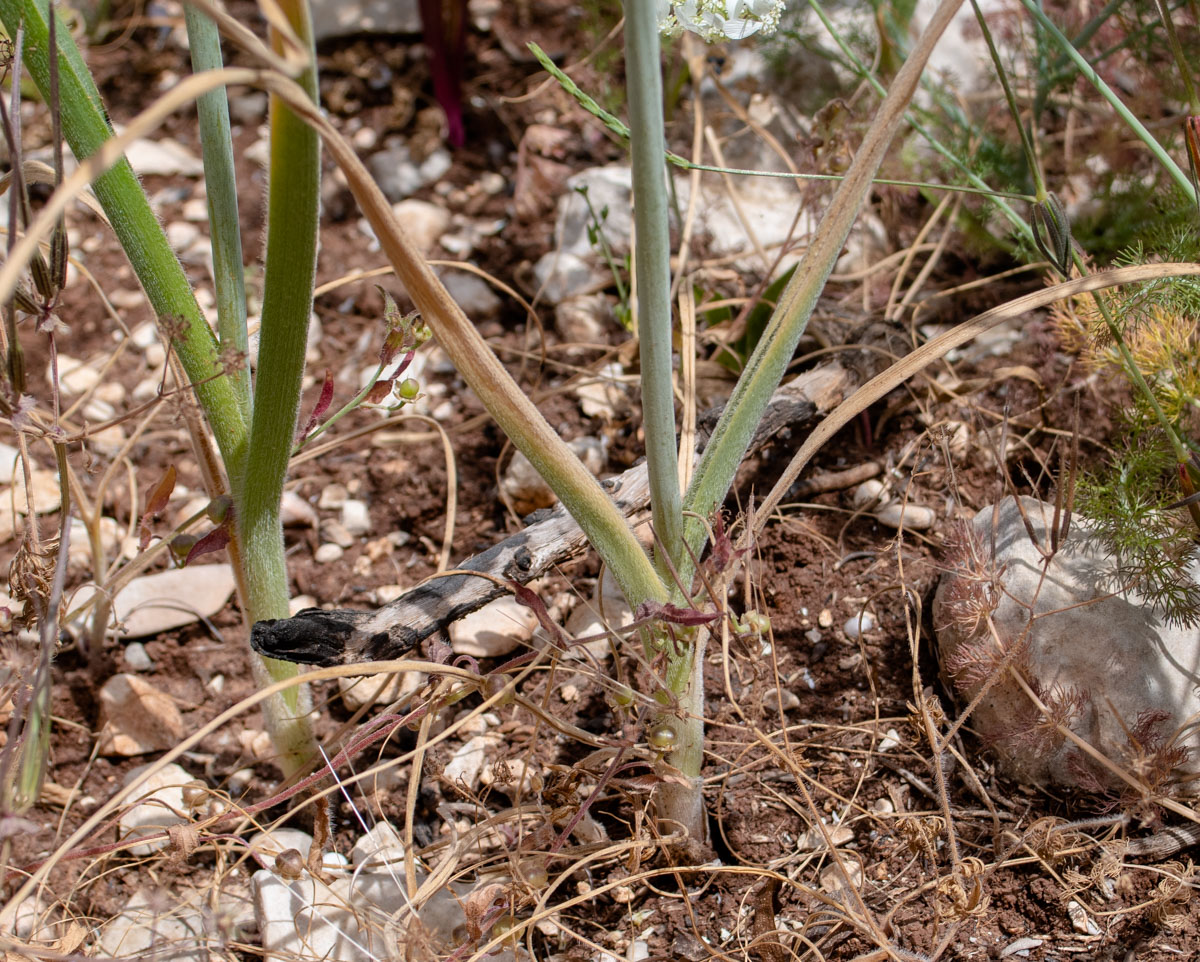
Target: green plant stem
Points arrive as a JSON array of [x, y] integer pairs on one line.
[[1085, 68], [288, 279], [731, 437], [643, 71], [85, 127], [220, 184], [1031, 157], [1181, 60]]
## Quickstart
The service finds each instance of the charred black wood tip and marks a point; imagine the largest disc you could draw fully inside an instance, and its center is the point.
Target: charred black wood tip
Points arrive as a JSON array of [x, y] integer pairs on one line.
[[312, 637]]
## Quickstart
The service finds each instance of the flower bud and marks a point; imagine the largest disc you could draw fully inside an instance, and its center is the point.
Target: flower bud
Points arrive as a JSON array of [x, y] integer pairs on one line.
[[1052, 233]]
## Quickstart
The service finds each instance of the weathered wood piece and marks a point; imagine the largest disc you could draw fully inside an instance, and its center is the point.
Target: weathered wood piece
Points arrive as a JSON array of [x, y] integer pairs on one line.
[[315, 636]]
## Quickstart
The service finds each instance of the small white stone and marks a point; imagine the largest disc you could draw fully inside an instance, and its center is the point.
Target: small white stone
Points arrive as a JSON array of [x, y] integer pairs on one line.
[[604, 395], [299, 603], [915, 517], [333, 496], [136, 657], [813, 840], [74, 376], [360, 690], [157, 804], [890, 740], [295, 511], [335, 533], [43, 486], [328, 553], [867, 493], [356, 517], [1081, 922], [422, 221], [195, 210], [860, 623], [467, 762], [156, 355], [772, 698], [266, 845], [181, 234], [151, 604]]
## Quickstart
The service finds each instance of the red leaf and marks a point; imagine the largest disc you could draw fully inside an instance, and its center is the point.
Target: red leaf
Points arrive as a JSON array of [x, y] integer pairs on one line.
[[379, 390], [320, 408], [674, 614], [156, 504], [530, 599], [215, 540]]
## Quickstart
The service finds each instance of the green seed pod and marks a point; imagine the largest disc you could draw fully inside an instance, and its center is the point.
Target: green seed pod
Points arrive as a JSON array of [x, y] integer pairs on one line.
[[181, 544], [218, 508], [1052, 233], [408, 389], [662, 738], [622, 696]]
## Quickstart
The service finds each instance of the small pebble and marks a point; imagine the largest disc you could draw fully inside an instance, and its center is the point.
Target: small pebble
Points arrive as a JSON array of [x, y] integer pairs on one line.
[[867, 494], [136, 657], [1081, 922], [825, 618], [1022, 946], [859, 624], [328, 553], [915, 517], [356, 519], [889, 741]]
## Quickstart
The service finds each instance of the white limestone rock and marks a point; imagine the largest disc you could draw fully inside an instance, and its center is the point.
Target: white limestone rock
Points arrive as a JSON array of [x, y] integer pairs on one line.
[[1109, 665]]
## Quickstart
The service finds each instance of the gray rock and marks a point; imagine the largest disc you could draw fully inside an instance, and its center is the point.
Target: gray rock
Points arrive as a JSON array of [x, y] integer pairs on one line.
[[394, 171], [610, 195], [1107, 664], [561, 274], [473, 294], [344, 18], [136, 657]]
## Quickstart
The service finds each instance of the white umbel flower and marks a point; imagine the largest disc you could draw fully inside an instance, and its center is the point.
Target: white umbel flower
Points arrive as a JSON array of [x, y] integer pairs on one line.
[[719, 19]]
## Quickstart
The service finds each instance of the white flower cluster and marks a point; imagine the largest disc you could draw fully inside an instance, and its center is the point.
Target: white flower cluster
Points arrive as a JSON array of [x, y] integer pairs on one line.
[[719, 19]]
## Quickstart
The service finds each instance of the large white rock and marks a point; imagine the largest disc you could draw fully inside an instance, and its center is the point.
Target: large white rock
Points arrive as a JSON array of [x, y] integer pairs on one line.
[[154, 924], [158, 602], [1110, 666], [494, 630]]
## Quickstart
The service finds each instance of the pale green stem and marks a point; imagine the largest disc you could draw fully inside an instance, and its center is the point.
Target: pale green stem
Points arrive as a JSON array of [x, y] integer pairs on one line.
[[220, 184], [652, 264], [1147, 138], [289, 273]]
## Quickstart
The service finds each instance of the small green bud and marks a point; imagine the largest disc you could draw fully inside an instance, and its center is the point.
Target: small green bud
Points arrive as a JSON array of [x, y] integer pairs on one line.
[[218, 508], [1052, 233], [622, 696], [408, 389], [181, 546], [662, 738]]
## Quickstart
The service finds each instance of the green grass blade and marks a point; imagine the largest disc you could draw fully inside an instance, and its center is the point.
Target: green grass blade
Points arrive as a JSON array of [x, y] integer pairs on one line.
[[221, 186]]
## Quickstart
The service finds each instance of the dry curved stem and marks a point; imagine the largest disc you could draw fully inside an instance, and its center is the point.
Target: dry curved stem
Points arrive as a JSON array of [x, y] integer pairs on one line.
[[883, 383]]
